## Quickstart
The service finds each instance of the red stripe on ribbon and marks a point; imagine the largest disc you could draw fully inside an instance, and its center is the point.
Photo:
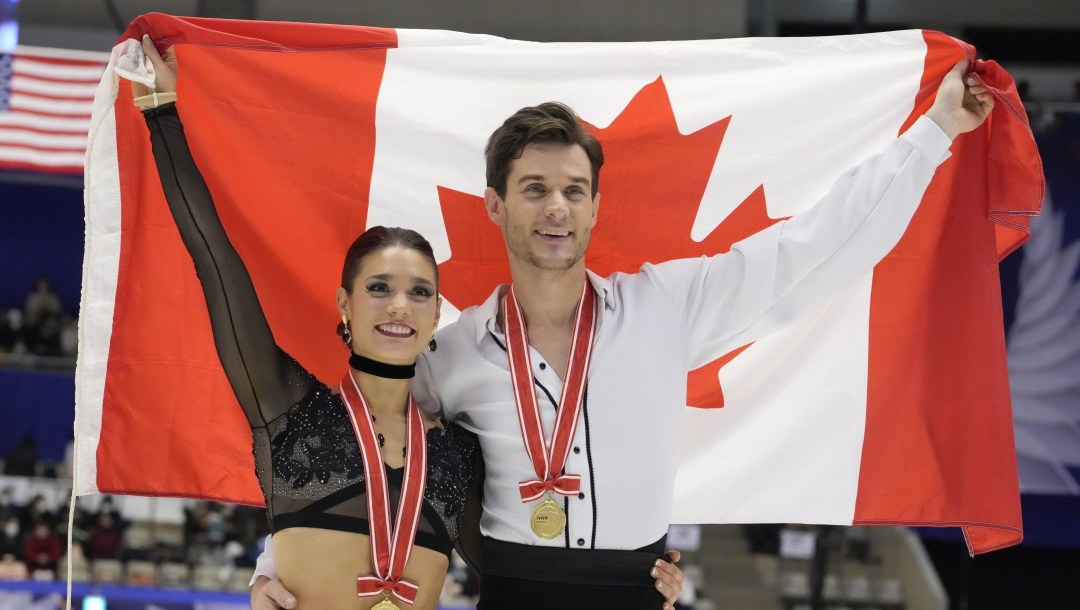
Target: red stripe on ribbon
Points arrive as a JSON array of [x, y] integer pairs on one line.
[[548, 460], [390, 550]]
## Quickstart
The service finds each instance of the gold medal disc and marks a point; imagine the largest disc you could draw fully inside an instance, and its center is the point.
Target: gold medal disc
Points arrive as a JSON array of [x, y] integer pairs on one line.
[[548, 519], [385, 604]]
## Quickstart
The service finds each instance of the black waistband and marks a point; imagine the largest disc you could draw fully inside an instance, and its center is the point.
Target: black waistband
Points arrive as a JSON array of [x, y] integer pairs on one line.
[[571, 566], [316, 515]]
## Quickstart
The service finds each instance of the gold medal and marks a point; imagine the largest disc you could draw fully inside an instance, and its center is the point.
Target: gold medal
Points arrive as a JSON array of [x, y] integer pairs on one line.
[[385, 604], [548, 519]]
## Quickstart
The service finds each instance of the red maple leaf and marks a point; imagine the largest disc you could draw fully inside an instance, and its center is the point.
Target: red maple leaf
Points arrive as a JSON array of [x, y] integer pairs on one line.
[[652, 182]]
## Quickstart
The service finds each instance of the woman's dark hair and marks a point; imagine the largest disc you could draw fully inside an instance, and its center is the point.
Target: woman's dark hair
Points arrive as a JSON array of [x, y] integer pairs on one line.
[[379, 238]]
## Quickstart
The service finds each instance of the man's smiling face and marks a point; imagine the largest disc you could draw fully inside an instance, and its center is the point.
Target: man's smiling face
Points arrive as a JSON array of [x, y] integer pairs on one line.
[[548, 212]]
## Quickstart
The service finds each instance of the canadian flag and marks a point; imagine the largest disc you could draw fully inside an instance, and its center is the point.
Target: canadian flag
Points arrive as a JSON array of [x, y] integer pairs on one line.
[[888, 406]]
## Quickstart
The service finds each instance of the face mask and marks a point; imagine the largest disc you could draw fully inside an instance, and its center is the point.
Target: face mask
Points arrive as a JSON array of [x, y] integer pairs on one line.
[[11, 529]]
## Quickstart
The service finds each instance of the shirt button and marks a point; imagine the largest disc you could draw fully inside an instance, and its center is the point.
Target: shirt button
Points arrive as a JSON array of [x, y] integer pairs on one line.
[[581, 495], [543, 366], [581, 542], [577, 449]]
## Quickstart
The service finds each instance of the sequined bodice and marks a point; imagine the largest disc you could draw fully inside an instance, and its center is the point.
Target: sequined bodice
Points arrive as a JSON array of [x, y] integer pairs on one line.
[[316, 476]]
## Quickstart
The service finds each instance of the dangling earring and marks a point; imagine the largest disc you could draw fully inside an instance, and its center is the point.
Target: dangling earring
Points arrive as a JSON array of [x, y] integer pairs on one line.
[[432, 346], [345, 334]]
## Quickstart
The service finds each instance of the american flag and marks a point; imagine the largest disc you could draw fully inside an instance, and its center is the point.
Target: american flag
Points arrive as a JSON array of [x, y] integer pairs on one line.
[[45, 100]]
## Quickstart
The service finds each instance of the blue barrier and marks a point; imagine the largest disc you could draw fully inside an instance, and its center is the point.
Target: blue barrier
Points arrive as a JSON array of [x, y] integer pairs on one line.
[[117, 597], [127, 598]]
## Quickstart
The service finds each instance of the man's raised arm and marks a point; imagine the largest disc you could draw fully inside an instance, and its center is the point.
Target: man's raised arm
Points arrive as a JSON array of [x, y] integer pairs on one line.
[[771, 279]]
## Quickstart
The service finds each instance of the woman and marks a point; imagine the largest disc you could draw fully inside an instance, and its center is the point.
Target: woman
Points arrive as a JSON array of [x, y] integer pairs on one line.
[[313, 445]]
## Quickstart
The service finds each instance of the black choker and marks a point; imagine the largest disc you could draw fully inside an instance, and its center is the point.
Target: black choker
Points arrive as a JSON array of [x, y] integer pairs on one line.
[[382, 369]]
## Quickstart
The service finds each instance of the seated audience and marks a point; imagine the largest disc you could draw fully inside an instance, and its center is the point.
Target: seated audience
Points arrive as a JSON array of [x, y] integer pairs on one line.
[[43, 551], [11, 568], [40, 303], [105, 538]]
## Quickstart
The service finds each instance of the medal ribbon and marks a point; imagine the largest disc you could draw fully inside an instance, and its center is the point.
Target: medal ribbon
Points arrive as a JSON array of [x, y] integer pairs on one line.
[[390, 551], [548, 460]]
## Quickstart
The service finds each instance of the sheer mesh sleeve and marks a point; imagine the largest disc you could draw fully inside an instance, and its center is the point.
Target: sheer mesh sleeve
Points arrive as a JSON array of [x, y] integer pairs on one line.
[[265, 380]]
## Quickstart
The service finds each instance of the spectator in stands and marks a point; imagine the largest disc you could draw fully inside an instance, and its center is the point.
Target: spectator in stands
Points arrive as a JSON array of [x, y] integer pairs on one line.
[[37, 512], [1070, 119], [1023, 89], [44, 339], [42, 551], [194, 519], [11, 536], [11, 332], [11, 568], [246, 524], [196, 530], [215, 527], [80, 533], [106, 538], [40, 303], [7, 505], [69, 336], [108, 508], [67, 468], [23, 461]]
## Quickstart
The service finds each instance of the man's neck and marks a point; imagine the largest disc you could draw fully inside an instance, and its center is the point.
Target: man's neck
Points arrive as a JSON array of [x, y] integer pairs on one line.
[[549, 299], [549, 302]]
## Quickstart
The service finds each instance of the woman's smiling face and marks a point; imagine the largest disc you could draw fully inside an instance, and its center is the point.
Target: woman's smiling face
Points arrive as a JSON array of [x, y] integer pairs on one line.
[[393, 307]]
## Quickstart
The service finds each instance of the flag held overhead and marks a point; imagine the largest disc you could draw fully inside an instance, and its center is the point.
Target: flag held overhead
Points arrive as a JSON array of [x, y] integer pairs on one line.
[[890, 406]]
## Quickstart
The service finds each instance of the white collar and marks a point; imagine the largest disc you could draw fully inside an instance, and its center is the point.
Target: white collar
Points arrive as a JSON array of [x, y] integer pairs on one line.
[[489, 309]]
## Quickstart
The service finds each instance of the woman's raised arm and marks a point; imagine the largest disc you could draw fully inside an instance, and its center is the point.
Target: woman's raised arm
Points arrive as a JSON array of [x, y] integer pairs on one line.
[[266, 381]]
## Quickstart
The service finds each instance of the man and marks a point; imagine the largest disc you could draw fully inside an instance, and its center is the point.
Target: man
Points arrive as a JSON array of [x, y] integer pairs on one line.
[[572, 507]]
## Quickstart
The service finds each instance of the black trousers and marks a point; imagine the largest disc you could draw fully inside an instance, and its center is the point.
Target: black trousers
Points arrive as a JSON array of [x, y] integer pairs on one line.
[[526, 577]]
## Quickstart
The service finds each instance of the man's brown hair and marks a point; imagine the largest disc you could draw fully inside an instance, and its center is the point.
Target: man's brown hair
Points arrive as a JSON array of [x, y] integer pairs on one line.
[[548, 123]]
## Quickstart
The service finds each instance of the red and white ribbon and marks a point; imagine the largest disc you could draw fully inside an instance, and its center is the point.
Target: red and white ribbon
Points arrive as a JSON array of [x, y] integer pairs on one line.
[[371, 586], [548, 459], [390, 550]]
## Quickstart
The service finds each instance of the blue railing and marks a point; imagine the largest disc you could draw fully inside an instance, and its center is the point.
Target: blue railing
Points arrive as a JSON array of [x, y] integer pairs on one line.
[[117, 597]]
